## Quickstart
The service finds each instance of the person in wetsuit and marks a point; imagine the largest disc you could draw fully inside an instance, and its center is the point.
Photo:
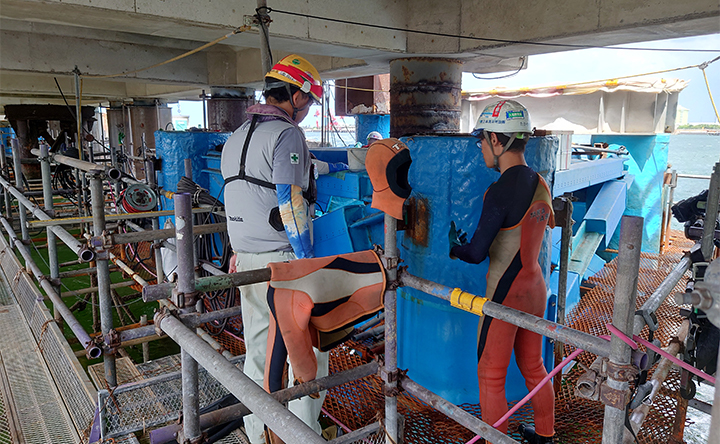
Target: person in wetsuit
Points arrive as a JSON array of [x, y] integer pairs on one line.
[[516, 211]]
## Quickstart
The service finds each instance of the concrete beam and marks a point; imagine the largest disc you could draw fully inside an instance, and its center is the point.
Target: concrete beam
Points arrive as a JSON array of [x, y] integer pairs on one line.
[[49, 37]]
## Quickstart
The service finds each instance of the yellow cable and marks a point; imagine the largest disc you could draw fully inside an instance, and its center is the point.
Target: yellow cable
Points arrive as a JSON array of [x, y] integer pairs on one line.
[[710, 94], [181, 56]]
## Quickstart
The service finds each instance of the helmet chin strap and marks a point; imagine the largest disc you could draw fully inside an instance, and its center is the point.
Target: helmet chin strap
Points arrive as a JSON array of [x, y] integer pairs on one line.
[[496, 157], [296, 110]]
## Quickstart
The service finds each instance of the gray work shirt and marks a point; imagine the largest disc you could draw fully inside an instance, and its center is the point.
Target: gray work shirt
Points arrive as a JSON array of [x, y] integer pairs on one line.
[[277, 154]]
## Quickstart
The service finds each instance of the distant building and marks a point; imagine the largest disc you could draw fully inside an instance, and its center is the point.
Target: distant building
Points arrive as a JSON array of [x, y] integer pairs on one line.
[[682, 116]]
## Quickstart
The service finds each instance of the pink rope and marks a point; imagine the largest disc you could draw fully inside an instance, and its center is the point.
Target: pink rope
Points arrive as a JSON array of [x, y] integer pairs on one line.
[[622, 336], [574, 354], [233, 336], [662, 352], [532, 393]]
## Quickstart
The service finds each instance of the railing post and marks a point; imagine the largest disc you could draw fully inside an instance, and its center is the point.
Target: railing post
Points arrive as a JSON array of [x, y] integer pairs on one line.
[[563, 215], [51, 238], [152, 182], [184, 297], [19, 185], [97, 198], [391, 254], [631, 231], [707, 244]]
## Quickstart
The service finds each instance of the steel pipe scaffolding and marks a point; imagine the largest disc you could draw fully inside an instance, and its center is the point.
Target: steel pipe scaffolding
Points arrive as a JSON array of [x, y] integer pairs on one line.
[[279, 419], [661, 293], [221, 416], [89, 167], [184, 297], [91, 349], [524, 320], [391, 370], [208, 283], [455, 413], [19, 186], [48, 202], [103, 276], [631, 231], [35, 210]]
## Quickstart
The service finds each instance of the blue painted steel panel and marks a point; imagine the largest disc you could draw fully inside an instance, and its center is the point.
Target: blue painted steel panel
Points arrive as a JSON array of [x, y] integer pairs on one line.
[[350, 228], [586, 173], [367, 123], [572, 295], [347, 184], [596, 264], [647, 162], [606, 210], [450, 174]]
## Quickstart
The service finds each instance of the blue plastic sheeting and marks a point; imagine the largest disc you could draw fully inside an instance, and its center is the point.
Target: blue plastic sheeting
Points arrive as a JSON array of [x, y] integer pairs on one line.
[[606, 210], [173, 147], [214, 176], [647, 162], [367, 123], [449, 172]]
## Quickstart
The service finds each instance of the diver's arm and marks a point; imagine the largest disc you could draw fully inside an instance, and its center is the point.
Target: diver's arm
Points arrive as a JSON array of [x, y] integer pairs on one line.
[[294, 215]]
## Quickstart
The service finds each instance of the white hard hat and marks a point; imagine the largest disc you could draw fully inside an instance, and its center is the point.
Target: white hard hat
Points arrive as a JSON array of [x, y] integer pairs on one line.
[[507, 117], [374, 135]]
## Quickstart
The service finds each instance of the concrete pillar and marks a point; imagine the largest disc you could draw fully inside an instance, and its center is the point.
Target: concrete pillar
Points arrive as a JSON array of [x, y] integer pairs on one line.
[[226, 108], [424, 96]]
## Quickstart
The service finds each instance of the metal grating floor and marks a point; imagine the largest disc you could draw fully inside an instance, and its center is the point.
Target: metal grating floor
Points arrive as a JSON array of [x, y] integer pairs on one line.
[[156, 405], [38, 406]]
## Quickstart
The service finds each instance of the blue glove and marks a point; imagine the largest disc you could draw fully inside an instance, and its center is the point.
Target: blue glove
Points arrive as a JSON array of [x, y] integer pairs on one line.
[[337, 166], [456, 237]]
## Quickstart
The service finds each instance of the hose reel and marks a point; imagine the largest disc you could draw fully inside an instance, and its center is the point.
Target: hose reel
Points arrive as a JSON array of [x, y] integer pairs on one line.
[[138, 198]]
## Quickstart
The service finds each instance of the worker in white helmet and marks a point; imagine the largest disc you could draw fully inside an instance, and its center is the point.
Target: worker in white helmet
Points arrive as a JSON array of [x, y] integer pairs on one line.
[[516, 212], [374, 136]]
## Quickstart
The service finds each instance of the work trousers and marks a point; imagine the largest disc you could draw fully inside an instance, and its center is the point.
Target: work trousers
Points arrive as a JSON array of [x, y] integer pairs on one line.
[[256, 319]]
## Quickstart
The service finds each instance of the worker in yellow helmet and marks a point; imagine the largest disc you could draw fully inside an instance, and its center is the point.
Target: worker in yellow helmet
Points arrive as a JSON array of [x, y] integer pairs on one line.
[[269, 200]]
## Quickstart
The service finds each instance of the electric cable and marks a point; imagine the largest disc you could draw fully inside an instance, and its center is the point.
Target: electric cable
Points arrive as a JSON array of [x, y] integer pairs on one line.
[[264, 28], [72, 113], [484, 39]]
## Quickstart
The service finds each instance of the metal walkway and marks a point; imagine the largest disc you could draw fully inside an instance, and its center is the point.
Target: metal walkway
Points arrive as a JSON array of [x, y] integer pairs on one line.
[[29, 395]]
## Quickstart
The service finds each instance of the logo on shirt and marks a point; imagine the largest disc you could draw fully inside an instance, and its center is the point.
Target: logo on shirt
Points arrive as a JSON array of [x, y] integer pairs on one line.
[[236, 219], [294, 158]]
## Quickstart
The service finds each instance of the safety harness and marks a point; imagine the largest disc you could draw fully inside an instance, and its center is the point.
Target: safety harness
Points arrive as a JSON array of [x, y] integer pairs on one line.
[[274, 218], [243, 157]]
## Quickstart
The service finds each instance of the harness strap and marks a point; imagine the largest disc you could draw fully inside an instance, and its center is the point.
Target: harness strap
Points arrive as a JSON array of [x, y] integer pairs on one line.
[[241, 174]]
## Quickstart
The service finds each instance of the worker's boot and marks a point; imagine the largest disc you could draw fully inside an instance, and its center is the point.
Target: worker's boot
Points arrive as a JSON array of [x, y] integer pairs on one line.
[[528, 432]]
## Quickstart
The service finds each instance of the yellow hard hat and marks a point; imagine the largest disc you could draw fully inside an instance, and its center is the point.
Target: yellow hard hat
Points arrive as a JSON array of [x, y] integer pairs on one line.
[[297, 71]]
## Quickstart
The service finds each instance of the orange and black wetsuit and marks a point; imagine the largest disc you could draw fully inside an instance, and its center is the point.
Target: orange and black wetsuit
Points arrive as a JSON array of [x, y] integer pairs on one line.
[[516, 210], [312, 296]]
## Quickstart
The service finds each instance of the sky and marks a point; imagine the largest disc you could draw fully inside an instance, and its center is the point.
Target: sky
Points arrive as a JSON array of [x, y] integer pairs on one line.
[[600, 64], [597, 64]]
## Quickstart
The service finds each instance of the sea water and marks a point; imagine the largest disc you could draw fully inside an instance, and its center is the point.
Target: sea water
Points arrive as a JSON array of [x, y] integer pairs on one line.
[[694, 154]]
